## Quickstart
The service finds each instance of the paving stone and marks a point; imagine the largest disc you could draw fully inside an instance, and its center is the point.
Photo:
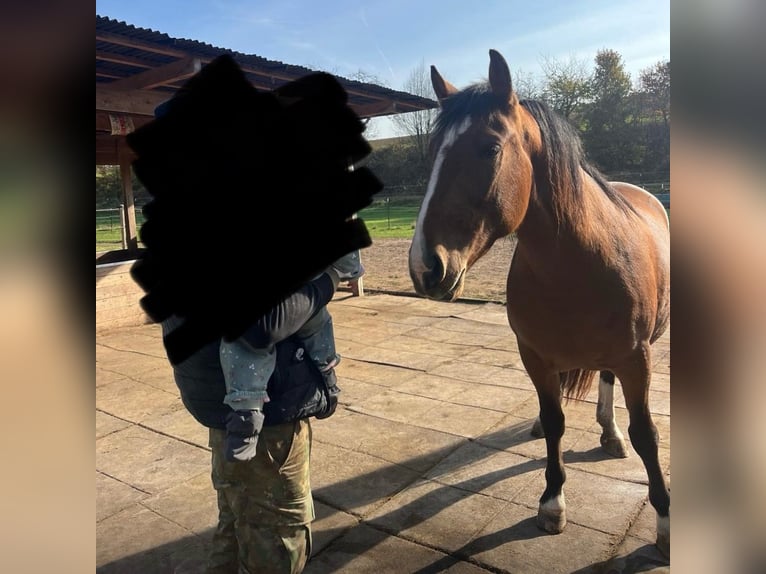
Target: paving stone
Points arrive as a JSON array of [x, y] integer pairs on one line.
[[132, 532], [475, 341], [488, 313], [496, 357], [484, 470], [191, 504], [581, 415], [514, 435], [180, 424], [512, 542], [398, 407], [493, 397], [134, 401], [480, 373], [105, 377], [437, 515], [644, 527], [594, 501], [112, 496], [107, 424], [365, 550], [592, 458], [412, 447], [149, 461], [413, 342], [400, 358], [382, 375], [126, 361], [662, 422], [370, 330], [507, 342], [351, 348], [354, 481], [636, 555], [660, 380], [410, 315], [161, 378], [459, 419], [528, 409], [330, 523], [469, 327]]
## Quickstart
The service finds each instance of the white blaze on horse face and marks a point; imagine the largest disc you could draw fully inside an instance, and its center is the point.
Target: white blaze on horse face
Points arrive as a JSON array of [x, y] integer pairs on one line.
[[417, 253]]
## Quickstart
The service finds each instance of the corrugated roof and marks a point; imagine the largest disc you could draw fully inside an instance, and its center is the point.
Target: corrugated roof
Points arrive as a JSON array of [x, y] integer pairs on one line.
[[124, 50]]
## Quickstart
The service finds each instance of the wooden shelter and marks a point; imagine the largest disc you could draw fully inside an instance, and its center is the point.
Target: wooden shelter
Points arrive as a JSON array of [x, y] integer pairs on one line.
[[137, 69]]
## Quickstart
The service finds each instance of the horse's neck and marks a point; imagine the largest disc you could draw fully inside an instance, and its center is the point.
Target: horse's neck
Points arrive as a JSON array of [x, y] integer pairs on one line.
[[569, 230]]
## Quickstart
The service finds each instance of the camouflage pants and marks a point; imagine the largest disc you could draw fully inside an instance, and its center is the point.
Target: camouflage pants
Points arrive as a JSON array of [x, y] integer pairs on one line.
[[265, 506]]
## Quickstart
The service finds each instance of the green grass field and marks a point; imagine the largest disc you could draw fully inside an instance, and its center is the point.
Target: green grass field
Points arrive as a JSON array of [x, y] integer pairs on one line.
[[390, 221]]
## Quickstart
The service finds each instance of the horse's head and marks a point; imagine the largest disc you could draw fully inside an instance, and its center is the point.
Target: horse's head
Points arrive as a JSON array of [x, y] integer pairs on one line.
[[480, 181]]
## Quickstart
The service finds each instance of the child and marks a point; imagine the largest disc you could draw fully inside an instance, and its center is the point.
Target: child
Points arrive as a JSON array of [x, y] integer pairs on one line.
[[247, 369]]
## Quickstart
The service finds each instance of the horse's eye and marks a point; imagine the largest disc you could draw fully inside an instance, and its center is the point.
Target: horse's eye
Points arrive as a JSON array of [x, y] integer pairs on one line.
[[491, 150]]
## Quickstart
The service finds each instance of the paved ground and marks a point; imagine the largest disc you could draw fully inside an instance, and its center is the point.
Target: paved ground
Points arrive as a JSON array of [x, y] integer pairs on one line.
[[427, 467]]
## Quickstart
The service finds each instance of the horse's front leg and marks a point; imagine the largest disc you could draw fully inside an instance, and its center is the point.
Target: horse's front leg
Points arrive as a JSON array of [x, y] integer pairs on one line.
[[551, 514], [635, 375]]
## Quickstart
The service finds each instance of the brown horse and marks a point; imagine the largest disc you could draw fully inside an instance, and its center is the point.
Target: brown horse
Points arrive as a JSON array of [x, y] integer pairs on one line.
[[589, 285]]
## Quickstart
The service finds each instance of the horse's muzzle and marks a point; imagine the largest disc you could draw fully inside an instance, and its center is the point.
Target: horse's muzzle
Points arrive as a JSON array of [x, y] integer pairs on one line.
[[438, 285]]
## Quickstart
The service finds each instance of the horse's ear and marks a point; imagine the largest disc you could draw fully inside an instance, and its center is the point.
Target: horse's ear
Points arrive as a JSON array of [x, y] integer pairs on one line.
[[442, 88], [499, 76]]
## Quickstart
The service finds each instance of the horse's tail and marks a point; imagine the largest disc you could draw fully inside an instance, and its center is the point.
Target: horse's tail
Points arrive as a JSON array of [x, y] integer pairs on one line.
[[576, 383]]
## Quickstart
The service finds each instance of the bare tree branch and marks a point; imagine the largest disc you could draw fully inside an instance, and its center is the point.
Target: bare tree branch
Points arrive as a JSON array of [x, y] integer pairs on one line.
[[418, 124]]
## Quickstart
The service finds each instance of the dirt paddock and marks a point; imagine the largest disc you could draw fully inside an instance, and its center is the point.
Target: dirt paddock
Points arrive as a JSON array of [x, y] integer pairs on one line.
[[385, 262]]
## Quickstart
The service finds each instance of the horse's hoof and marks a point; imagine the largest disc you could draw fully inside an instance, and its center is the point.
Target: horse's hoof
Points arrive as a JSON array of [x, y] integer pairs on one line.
[[551, 523], [663, 545], [663, 536], [537, 429], [615, 447], [552, 515]]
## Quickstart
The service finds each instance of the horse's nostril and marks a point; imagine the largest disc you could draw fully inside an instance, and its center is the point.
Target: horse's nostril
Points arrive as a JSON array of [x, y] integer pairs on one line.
[[434, 276]]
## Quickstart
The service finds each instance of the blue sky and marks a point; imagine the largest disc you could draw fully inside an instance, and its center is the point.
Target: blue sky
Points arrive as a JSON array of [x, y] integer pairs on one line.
[[389, 38]]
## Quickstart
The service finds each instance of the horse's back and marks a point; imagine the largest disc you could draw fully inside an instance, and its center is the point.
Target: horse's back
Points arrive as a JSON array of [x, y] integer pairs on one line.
[[646, 204]]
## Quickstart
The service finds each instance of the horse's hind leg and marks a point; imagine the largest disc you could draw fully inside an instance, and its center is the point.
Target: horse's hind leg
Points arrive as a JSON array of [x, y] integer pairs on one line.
[[551, 515], [635, 376], [612, 440]]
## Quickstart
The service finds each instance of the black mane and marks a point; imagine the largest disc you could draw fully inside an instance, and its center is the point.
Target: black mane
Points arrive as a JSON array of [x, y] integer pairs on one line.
[[564, 155]]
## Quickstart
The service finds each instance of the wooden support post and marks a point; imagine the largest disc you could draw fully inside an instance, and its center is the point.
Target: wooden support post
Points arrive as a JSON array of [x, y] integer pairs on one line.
[[357, 285], [131, 231]]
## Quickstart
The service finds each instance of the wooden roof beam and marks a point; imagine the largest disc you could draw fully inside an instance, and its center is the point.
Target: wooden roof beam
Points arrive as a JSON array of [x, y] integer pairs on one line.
[[121, 59], [167, 74], [141, 102]]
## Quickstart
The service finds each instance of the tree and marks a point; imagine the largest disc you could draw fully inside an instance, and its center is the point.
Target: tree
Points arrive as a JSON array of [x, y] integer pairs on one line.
[[108, 186], [418, 124], [566, 86], [654, 101], [370, 131], [400, 168], [609, 134], [654, 83], [526, 86]]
